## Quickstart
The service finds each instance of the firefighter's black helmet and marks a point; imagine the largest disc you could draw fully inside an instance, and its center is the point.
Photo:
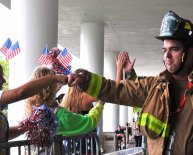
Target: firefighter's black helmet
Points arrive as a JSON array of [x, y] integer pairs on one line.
[[175, 27]]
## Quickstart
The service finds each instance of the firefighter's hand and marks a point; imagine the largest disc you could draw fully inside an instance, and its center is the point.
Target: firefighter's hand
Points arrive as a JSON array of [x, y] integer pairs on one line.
[[75, 79], [129, 64]]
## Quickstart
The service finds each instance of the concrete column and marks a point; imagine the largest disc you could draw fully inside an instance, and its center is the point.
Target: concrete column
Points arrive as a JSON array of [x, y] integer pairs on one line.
[[35, 25], [130, 114], [123, 115], [92, 53], [111, 111], [92, 46]]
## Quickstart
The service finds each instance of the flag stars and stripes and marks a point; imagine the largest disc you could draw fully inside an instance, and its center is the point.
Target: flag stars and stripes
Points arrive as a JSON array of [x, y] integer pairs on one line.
[[64, 58], [13, 51], [6, 46], [45, 58]]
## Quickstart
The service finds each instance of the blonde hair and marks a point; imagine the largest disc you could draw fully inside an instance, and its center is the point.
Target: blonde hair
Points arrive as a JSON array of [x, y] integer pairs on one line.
[[46, 96], [72, 101]]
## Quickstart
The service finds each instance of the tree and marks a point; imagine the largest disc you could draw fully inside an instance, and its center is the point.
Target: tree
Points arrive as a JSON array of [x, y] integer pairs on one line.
[[5, 65]]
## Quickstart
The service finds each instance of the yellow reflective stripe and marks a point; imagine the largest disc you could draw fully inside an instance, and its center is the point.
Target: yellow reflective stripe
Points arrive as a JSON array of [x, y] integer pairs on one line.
[[166, 131], [153, 124], [94, 85], [187, 26]]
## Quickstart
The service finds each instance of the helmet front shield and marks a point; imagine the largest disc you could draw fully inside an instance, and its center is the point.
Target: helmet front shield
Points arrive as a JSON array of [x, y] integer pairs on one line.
[[175, 27]]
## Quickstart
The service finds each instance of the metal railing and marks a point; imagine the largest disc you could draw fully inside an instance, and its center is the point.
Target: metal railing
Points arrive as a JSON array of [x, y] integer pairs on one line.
[[62, 145]]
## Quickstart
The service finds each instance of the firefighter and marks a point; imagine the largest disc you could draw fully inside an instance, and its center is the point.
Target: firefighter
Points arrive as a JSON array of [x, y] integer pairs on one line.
[[166, 99]]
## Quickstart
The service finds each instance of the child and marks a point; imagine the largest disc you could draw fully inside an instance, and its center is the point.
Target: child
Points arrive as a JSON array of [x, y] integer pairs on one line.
[[69, 123]]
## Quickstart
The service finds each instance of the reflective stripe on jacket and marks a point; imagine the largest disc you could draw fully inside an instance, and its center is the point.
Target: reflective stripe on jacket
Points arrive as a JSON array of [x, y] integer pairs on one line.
[[153, 124], [151, 94]]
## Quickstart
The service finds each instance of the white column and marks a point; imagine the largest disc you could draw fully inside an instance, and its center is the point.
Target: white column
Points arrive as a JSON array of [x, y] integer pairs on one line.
[[92, 52], [92, 46], [111, 111], [130, 114], [123, 115], [34, 25]]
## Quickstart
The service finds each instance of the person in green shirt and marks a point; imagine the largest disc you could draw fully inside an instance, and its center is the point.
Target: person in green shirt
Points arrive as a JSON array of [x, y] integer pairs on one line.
[[69, 123]]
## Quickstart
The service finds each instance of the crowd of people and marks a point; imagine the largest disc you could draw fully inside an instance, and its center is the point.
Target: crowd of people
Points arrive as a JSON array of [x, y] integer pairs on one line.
[[165, 100]]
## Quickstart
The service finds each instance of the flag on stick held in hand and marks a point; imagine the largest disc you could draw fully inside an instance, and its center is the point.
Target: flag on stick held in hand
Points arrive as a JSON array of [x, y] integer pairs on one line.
[[6, 46], [13, 51], [64, 58], [45, 58]]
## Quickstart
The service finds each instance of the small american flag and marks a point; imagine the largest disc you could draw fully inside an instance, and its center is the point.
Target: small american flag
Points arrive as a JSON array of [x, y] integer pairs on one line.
[[15, 50], [64, 58], [6, 46], [45, 58]]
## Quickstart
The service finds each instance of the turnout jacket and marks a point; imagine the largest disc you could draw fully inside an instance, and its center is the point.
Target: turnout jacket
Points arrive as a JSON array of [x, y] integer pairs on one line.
[[152, 95]]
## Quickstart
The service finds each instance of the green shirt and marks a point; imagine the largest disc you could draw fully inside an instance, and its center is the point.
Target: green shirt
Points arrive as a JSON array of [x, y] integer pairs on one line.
[[73, 123]]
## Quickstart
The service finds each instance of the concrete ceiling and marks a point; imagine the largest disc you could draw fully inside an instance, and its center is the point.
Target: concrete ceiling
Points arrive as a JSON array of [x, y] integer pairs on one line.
[[130, 25], [6, 3]]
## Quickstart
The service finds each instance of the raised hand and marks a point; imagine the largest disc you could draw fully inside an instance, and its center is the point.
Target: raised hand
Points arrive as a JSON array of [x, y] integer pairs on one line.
[[128, 67], [120, 61]]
